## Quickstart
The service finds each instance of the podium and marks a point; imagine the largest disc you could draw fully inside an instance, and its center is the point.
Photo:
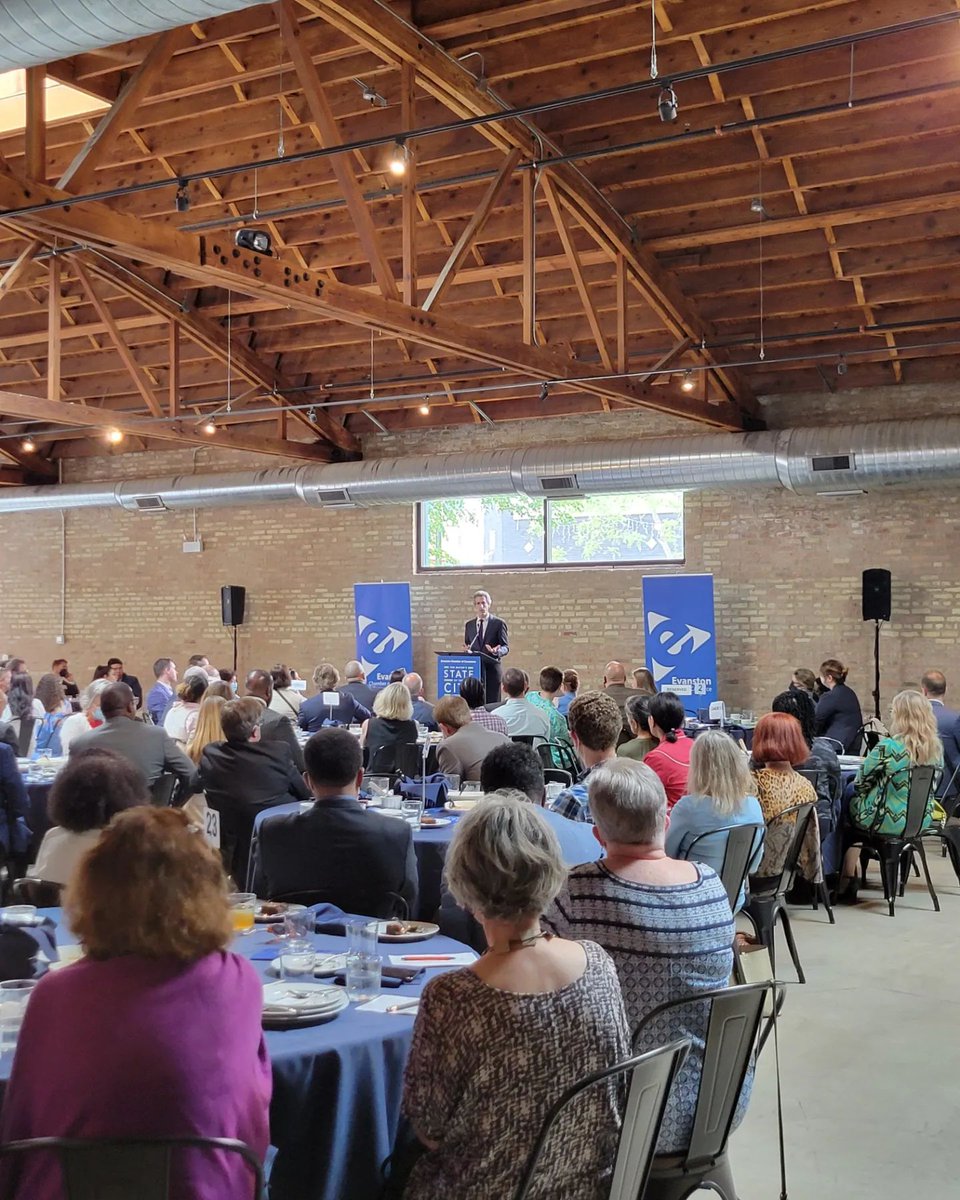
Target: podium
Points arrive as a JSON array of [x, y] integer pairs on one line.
[[453, 669]]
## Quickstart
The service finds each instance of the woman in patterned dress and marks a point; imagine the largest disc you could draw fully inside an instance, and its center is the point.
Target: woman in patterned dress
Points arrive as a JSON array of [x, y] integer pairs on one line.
[[495, 1044], [778, 747]]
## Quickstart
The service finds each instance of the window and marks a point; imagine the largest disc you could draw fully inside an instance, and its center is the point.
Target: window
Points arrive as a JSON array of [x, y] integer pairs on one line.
[[521, 531]]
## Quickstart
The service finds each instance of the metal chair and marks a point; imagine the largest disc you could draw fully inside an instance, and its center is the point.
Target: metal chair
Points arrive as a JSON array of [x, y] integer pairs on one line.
[[561, 756], [765, 907], [733, 1025], [741, 846], [651, 1078], [525, 739], [821, 891], [162, 789], [553, 775], [119, 1168], [39, 892], [895, 852]]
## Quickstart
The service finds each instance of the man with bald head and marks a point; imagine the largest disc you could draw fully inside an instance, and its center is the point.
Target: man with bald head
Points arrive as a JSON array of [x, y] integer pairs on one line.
[[615, 685], [356, 684], [273, 726], [422, 709], [149, 747], [934, 687]]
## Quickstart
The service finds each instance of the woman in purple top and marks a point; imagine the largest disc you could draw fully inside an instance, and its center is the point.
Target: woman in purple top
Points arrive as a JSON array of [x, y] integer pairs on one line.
[[156, 1032]]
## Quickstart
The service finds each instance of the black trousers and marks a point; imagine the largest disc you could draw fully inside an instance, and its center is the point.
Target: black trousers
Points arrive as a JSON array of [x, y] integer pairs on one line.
[[491, 673]]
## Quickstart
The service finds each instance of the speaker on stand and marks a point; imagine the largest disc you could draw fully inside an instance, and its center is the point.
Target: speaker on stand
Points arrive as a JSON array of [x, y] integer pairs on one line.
[[233, 601], [876, 605]]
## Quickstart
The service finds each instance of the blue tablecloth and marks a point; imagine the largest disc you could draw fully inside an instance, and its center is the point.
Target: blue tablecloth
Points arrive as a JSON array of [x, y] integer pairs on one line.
[[336, 1087], [430, 846]]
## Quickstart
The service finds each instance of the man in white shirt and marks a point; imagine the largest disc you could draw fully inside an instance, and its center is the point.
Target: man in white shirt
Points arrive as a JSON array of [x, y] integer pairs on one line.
[[522, 718]]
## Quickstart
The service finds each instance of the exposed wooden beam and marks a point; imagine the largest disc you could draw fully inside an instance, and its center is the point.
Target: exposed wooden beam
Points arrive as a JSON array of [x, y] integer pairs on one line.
[[17, 269], [173, 380], [408, 216], [529, 278], [669, 358], [53, 330], [140, 381], [323, 118], [36, 128], [472, 228], [38, 408], [623, 304]]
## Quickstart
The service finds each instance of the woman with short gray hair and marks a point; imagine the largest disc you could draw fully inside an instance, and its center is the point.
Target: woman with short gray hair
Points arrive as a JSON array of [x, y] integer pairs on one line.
[[666, 924], [543, 1012]]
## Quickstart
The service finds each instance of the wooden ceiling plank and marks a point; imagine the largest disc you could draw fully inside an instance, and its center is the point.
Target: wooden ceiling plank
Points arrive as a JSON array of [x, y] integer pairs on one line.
[[530, 265], [53, 330], [173, 379], [35, 133], [408, 215]]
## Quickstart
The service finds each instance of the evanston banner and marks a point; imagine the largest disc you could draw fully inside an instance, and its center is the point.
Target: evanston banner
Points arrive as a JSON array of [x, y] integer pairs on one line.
[[383, 629], [680, 636]]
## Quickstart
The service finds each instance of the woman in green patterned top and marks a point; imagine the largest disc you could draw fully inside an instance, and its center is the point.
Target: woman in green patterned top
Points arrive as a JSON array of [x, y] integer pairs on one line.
[[879, 803]]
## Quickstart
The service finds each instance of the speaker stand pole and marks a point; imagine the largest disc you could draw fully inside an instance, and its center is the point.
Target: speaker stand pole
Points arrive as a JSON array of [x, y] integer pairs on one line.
[[235, 657], [876, 668]]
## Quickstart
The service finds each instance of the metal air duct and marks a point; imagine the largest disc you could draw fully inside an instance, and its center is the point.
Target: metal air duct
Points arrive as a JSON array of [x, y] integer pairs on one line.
[[835, 460]]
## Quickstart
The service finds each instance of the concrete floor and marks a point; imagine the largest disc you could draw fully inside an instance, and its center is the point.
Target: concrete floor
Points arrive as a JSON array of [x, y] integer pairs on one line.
[[870, 1062]]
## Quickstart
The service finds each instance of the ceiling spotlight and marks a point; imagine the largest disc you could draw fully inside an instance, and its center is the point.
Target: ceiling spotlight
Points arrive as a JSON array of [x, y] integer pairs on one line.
[[183, 197], [114, 437], [842, 366], [756, 206], [399, 157], [687, 382], [257, 240], [370, 94], [667, 104], [544, 392], [28, 445], [209, 426], [424, 410]]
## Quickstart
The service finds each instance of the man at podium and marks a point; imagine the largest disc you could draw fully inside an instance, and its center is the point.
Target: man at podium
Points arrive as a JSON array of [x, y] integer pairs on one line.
[[486, 635]]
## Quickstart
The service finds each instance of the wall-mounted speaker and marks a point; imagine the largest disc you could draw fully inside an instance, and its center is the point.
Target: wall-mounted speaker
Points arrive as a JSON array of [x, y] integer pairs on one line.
[[876, 594], [232, 601]]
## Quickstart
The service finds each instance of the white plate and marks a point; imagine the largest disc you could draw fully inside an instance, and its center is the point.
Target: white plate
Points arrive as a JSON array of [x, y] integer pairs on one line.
[[319, 997], [434, 823], [325, 966], [421, 931]]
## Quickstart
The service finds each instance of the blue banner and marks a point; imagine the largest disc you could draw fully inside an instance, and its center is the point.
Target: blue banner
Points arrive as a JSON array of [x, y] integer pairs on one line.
[[453, 669], [680, 636], [383, 629]]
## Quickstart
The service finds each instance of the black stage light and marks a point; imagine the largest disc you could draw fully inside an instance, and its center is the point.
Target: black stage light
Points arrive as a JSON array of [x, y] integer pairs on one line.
[[257, 240]]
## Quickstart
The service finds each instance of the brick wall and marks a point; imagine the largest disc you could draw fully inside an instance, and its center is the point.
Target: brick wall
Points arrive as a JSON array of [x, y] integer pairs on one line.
[[787, 572]]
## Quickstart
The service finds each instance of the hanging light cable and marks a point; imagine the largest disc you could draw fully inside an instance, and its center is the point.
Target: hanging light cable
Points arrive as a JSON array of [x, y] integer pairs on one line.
[[760, 215], [653, 40]]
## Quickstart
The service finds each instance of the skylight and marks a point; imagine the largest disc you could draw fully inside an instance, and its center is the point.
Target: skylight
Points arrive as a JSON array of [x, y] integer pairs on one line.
[[63, 102]]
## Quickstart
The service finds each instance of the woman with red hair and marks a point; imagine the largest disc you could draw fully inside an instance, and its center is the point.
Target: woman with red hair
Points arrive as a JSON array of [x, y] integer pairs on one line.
[[778, 747]]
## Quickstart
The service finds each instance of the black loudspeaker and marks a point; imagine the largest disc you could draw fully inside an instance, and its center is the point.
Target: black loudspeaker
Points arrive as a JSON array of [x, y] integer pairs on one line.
[[876, 594], [232, 600]]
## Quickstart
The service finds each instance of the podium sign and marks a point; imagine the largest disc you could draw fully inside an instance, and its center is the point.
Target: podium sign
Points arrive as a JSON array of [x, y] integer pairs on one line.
[[453, 669]]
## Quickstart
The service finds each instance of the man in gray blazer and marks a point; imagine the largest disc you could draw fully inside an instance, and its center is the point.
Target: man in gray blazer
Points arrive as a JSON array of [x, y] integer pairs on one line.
[[274, 727], [934, 686], [148, 747], [465, 743]]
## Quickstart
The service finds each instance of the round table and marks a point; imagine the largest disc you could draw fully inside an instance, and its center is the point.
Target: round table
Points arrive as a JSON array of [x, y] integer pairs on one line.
[[336, 1087]]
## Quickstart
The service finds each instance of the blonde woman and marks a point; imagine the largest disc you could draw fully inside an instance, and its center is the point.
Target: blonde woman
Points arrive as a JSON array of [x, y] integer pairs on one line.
[[720, 793], [208, 729], [879, 803], [391, 725]]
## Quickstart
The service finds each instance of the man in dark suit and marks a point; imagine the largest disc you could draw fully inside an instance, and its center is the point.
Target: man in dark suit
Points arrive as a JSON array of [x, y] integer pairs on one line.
[[243, 775], [352, 857], [346, 711], [356, 685], [274, 726], [148, 747], [487, 635], [116, 672], [934, 685]]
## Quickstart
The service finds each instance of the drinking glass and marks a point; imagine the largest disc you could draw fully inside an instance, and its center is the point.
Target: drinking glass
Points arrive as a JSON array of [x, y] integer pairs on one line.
[[243, 906], [470, 785], [411, 809], [14, 994], [297, 960], [363, 977], [391, 800], [362, 937], [298, 926], [453, 783], [19, 912]]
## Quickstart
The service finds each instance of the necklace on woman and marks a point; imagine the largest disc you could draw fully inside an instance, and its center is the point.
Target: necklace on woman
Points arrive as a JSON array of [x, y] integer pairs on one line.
[[519, 943]]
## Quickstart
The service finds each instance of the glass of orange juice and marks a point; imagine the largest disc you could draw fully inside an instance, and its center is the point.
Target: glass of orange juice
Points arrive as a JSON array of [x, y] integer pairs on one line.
[[243, 905]]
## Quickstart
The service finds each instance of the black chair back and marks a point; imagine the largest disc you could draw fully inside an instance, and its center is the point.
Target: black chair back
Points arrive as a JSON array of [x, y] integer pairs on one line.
[[804, 814], [651, 1077], [527, 739], [923, 784], [121, 1168], [740, 847], [559, 755], [162, 789], [553, 775], [39, 892], [384, 906]]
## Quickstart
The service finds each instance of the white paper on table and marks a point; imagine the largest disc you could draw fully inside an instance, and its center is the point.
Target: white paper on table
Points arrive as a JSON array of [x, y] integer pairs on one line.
[[463, 959], [383, 1003]]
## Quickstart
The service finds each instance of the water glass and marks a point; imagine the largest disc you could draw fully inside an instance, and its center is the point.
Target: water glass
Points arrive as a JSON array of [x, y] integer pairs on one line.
[[391, 800], [362, 936], [299, 925], [297, 960], [14, 994], [363, 977], [243, 907], [453, 783], [20, 912], [411, 809], [472, 786]]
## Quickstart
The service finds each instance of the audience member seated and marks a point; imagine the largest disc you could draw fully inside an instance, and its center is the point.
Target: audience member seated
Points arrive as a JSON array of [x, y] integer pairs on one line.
[[56, 709], [838, 709], [242, 775], [229, 677], [643, 681], [804, 680], [473, 691], [422, 709], [24, 713], [465, 743], [354, 857], [521, 717], [314, 713], [934, 686], [156, 1032], [595, 725], [285, 700], [148, 747], [273, 727], [14, 809], [181, 718], [551, 679], [117, 674], [882, 786], [209, 729], [542, 1009], [61, 667], [356, 685], [642, 740], [569, 686], [721, 793], [822, 759], [161, 695], [778, 747], [615, 685], [667, 925], [90, 790], [392, 725], [670, 758], [218, 687], [89, 717]]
